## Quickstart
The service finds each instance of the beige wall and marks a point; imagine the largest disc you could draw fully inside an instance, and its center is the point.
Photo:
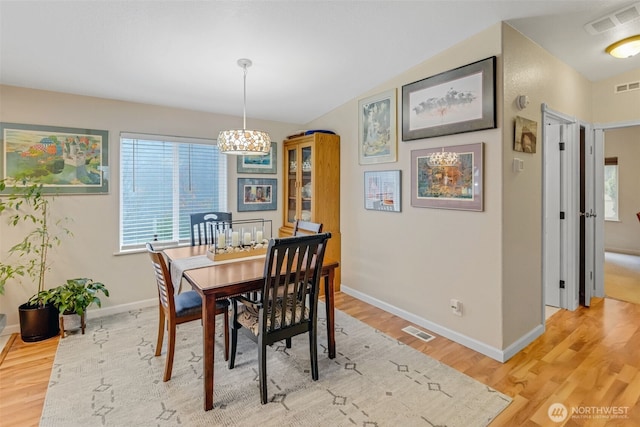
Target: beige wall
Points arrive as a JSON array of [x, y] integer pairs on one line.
[[611, 107], [92, 251], [415, 261], [624, 235], [532, 71]]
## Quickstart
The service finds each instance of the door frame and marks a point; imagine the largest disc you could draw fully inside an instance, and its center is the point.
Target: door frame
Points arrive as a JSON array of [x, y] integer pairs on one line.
[[566, 198]]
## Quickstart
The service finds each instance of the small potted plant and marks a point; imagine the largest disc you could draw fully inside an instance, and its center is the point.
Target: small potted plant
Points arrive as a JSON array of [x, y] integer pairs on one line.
[[73, 298], [28, 208]]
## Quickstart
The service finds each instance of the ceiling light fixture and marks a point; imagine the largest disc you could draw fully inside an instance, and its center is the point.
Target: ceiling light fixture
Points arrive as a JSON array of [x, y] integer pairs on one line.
[[244, 141], [625, 48]]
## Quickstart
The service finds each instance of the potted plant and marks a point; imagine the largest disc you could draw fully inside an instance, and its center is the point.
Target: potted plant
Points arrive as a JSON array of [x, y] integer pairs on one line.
[[73, 298], [29, 208]]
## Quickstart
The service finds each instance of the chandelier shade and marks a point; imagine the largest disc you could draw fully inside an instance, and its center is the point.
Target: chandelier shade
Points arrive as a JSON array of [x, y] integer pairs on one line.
[[244, 141]]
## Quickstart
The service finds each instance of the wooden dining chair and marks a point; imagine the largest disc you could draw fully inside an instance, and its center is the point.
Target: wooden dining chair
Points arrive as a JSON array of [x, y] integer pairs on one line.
[[179, 308], [305, 227], [282, 310], [205, 224]]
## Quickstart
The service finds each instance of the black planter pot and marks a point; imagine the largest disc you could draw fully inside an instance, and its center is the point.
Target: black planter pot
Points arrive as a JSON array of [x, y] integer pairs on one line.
[[38, 323]]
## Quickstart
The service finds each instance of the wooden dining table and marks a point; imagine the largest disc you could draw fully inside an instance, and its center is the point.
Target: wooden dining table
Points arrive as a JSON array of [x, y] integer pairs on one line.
[[228, 278]]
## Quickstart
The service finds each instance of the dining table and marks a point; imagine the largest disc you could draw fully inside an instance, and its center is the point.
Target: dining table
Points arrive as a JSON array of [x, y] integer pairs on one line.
[[215, 280]]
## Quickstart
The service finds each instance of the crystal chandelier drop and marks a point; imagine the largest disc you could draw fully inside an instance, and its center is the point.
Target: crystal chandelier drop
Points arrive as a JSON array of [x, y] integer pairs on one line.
[[244, 141], [442, 159]]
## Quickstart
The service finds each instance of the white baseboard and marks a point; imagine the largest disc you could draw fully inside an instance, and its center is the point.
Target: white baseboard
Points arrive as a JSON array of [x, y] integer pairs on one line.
[[473, 344], [623, 251], [98, 312]]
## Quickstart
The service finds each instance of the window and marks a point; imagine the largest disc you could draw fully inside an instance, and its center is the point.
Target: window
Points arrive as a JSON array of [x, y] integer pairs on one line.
[[162, 181], [611, 189]]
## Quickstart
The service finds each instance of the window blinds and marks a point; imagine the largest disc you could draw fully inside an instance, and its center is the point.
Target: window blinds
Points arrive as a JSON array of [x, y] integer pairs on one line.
[[163, 180]]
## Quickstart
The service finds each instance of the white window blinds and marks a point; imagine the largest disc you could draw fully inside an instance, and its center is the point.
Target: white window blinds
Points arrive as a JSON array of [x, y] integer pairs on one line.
[[163, 180]]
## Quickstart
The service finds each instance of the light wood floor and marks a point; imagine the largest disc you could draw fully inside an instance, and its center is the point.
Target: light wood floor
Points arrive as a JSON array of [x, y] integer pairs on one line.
[[586, 358]]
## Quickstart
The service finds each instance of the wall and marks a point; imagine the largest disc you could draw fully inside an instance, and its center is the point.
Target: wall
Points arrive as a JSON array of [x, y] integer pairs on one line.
[[624, 235], [529, 70], [92, 251], [611, 107], [412, 263]]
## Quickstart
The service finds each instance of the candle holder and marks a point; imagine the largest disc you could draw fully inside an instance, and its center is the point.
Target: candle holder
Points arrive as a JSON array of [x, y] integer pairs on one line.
[[242, 238]]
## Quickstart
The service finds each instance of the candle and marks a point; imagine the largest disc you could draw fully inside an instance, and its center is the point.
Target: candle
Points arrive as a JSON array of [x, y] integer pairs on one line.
[[259, 236], [221, 240], [247, 239], [235, 238]]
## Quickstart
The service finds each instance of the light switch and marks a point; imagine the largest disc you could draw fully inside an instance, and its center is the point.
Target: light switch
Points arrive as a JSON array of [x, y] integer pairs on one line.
[[518, 165]]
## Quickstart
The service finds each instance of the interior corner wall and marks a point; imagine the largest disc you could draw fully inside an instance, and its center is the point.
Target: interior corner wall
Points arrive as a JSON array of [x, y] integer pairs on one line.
[[413, 262], [623, 236], [95, 218], [532, 71]]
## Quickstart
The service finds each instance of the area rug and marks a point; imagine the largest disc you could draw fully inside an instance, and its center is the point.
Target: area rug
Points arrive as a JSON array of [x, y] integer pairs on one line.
[[110, 377]]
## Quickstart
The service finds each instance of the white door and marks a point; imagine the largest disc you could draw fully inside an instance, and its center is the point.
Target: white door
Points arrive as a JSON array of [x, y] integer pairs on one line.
[[590, 215], [552, 261]]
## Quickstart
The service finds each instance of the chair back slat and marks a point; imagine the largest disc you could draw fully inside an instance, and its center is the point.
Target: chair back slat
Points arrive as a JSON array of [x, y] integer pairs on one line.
[[292, 276], [301, 228], [205, 224], [163, 280]]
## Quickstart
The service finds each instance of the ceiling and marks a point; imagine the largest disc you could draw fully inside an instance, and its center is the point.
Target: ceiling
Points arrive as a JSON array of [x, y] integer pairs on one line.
[[309, 57]]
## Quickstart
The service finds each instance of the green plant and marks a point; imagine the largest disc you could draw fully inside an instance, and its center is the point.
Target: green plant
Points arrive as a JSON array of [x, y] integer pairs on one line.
[[28, 206], [75, 295]]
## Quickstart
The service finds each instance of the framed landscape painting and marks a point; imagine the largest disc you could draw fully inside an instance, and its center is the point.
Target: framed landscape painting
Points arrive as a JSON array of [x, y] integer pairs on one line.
[[448, 177], [255, 194], [456, 101], [64, 160], [266, 164]]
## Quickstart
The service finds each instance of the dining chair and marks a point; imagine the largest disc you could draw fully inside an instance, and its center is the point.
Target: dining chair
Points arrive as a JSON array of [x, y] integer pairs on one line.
[[179, 308], [282, 310], [204, 225], [306, 227]]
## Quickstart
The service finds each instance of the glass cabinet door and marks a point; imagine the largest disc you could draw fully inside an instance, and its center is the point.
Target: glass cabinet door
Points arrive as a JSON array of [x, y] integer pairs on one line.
[[306, 185], [291, 164]]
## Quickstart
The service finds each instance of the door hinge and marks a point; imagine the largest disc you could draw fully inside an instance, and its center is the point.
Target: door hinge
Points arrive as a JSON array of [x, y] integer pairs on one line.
[[561, 284], [561, 215], [562, 146]]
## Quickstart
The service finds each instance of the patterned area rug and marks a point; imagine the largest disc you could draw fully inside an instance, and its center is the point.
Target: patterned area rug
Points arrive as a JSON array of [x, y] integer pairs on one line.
[[110, 377]]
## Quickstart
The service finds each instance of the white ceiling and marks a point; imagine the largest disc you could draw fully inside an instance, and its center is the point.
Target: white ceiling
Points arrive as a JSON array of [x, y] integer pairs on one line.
[[309, 57]]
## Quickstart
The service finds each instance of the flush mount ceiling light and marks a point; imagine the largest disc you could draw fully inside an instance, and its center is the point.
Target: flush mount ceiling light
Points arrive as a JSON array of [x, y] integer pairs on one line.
[[625, 48], [244, 141]]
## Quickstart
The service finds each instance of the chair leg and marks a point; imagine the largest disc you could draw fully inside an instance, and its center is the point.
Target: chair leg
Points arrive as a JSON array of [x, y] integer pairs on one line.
[[233, 330], [168, 365], [161, 327], [262, 369], [226, 335], [313, 352], [288, 342]]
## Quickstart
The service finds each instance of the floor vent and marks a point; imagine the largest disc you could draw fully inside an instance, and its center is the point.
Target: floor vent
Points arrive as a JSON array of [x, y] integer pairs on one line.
[[615, 19], [418, 333], [626, 87]]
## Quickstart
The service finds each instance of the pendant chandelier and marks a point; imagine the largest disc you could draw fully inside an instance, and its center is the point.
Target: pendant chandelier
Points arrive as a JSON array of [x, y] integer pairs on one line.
[[442, 159], [244, 141]]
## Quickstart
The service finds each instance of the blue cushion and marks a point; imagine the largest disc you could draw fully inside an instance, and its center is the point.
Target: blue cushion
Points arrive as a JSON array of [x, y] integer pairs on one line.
[[190, 302]]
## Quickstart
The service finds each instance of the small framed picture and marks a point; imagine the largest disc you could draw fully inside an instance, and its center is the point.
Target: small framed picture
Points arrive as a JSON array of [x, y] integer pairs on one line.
[[526, 135], [382, 190], [377, 128], [255, 194], [266, 164]]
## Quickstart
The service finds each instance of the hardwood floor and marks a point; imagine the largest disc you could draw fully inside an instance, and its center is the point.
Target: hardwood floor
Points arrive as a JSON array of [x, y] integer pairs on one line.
[[587, 359]]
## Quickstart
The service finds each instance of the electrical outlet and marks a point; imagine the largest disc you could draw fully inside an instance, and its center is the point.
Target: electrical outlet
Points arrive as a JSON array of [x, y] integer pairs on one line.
[[456, 307]]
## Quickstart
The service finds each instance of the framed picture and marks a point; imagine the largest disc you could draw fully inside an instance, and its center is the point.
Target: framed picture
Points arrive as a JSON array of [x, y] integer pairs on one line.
[[448, 177], [64, 160], [525, 135], [382, 190], [377, 128], [259, 164], [456, 101], [255, 194]]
